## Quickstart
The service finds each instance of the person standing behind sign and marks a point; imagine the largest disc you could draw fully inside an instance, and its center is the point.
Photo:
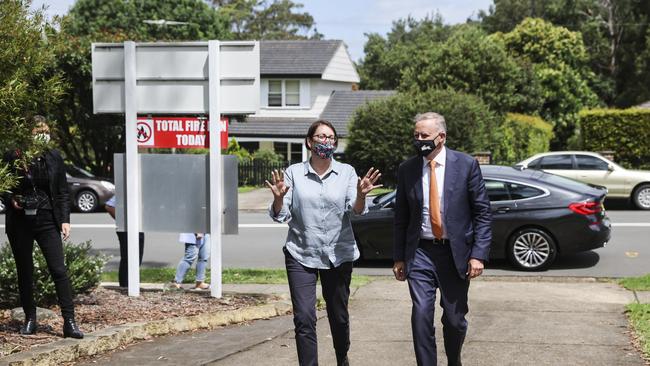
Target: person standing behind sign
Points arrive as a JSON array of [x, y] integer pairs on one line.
[[122, 237], [197, 247], [316, 199], [39, 210]]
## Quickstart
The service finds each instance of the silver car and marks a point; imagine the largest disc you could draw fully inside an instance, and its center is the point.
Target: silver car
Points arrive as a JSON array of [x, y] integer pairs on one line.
[[594, 168]]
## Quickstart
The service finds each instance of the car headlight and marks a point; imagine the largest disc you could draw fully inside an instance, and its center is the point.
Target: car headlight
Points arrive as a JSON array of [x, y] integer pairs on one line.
[[108, 185]]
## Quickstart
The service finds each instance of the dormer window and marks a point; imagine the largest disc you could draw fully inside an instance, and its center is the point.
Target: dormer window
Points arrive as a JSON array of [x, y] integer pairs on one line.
[[284, 93]]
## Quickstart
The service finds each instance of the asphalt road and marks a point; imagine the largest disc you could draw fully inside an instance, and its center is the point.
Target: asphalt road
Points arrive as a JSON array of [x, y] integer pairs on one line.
[[259, 243]]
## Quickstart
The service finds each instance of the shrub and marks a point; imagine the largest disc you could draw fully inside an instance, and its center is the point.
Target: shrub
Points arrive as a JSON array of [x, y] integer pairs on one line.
[[84, 270], [243, 156], [624, 131], [381, 132], [522, 137], [267, 156]]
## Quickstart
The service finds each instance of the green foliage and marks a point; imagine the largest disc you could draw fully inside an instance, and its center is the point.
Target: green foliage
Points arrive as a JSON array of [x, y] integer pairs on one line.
[[387, 58], [381, 132], [624, 131], [261, 19], [243, 156], [84, 271], [641, 283], [559, 62], [471, 62], [267, 156], [614, 33], [522, 137], [27, 87]]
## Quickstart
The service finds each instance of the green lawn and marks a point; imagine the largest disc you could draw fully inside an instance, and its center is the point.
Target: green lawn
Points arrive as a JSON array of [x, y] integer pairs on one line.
[[636, 283], [639, 315], [245, 189], [230, 275], [378, 191]]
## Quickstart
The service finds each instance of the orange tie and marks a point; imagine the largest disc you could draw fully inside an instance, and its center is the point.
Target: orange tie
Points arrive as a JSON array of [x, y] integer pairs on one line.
[[434, 203]]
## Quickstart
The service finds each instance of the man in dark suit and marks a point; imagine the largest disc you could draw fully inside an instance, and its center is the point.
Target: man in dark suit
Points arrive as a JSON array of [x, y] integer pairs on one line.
[[442, 236]]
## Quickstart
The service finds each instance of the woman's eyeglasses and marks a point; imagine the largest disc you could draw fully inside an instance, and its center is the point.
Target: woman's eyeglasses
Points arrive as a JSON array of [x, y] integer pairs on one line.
[[323, 138]]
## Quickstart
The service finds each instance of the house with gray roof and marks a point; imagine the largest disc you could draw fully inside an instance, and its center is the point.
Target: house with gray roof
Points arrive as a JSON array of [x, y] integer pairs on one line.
[[301, 81]]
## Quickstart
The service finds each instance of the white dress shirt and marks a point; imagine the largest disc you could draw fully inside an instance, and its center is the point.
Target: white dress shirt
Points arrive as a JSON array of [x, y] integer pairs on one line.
[[440, 161]]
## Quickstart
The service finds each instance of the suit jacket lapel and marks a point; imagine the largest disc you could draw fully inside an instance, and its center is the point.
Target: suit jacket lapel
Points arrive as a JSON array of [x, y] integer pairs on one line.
[[451, 170], [417, 176]]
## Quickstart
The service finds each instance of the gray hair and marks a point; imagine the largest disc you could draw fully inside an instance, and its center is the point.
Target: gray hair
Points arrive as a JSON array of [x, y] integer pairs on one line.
[[435, 117]]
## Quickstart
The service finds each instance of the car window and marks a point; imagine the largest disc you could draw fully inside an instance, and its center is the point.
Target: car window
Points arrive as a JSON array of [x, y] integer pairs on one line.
[[587, 162], [534, 164], [520, 191], [78, 172], [497, 190], [556, 162]]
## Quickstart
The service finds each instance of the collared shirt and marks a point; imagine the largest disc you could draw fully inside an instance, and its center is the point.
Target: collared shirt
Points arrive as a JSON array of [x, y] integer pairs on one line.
[[440, 161], [317, 210]]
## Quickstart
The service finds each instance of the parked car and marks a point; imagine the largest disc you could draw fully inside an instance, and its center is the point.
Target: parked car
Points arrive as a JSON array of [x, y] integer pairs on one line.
[[535, 217], [87, 192], [594, 168]]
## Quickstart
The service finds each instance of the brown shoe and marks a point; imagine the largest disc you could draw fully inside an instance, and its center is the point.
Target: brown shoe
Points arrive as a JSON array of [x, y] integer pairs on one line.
[[200, 285]]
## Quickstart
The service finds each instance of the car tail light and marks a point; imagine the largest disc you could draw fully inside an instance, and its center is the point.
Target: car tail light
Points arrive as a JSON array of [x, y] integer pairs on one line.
[[586, 208]]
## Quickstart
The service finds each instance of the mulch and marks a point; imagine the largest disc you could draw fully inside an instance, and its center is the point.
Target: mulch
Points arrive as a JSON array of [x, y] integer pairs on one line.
[[105, 307]]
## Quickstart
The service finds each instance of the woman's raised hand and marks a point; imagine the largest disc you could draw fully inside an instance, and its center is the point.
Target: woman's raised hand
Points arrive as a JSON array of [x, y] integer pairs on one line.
[[277, 186], [367, 183]]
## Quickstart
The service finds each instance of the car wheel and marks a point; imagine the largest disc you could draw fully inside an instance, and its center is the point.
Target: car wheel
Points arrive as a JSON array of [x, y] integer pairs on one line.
[[532, 249], [641, 197], [87, 201], [2, 206]]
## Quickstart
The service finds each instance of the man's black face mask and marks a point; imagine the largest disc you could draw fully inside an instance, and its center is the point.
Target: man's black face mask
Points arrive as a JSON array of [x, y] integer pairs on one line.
[[424, 147]]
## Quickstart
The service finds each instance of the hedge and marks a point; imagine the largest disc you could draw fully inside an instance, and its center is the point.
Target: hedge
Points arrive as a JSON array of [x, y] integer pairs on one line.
[[624, 131], [523, 136]]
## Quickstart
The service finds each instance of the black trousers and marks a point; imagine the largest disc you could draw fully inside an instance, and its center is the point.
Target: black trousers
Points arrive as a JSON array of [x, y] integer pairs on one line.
[[433, 268], [41, 228], [123, 273], [336, 291]]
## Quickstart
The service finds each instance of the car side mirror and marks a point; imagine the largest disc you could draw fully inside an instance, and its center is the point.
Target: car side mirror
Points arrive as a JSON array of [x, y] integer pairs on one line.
[[610, 167]]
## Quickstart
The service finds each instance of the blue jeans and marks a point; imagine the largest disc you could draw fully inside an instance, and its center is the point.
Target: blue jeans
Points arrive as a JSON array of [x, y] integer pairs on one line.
[[199, 252]]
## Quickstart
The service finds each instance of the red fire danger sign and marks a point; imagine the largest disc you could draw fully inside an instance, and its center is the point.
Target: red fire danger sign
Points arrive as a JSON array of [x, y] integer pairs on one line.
[[178, 132]]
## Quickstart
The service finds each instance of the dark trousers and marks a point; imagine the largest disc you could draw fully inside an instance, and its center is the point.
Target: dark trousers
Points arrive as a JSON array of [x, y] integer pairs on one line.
[[123, 273], [336, 291], [433, 268], [41, 228]]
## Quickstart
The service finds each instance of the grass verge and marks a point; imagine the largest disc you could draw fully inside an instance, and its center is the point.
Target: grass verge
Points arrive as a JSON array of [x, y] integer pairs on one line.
[[245, 189], [639, 315], [641, 283], [229, 275]]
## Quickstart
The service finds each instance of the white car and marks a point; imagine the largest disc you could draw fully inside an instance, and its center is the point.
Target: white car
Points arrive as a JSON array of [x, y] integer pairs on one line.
[[594, 168]]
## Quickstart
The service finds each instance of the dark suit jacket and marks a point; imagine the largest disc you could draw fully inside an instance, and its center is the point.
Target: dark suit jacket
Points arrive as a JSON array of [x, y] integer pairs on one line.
[[467, 217], [59, 196]]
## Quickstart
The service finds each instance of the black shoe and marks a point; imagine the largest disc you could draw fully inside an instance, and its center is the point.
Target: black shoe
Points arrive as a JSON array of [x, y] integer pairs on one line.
[[29, 327], [70, 329], [344, 362]]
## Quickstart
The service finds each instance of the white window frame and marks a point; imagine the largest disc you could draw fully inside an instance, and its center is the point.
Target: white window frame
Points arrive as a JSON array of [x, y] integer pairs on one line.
[[301, 94]]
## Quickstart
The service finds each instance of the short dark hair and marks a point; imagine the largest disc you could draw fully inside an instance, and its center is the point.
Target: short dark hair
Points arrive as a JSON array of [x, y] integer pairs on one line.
[[314, 126]]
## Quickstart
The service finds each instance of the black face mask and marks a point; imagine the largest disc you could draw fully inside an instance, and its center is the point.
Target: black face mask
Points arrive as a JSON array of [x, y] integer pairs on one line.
[[424, 147]]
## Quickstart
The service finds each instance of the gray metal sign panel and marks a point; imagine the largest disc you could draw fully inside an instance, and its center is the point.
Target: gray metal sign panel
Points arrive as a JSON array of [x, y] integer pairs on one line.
[[180, 204], [173, 77]]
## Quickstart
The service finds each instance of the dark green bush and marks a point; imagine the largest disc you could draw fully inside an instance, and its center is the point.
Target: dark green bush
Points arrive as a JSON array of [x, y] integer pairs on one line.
[[624, 131], [381, 132], [84, 270], [522, 137]]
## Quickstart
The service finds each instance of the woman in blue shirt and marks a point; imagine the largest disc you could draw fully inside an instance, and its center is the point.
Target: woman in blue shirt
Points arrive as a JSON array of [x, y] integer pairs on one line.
[[316, 198]]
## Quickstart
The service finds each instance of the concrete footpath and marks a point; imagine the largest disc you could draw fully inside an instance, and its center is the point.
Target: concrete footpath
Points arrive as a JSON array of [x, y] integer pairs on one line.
[[512, 322]]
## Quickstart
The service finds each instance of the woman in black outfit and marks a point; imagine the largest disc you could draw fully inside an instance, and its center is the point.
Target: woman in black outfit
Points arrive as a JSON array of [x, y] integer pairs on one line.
[[39, 209]]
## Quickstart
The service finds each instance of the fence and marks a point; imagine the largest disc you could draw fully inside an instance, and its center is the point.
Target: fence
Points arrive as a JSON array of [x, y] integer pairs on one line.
[[256, 172]]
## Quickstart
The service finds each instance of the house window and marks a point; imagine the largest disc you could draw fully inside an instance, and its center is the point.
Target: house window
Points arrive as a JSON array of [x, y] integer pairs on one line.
[[284, 93], [275, 93]]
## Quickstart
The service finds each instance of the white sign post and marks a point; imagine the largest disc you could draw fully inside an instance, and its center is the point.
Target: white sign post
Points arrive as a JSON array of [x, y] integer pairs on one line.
[[190, 78]]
